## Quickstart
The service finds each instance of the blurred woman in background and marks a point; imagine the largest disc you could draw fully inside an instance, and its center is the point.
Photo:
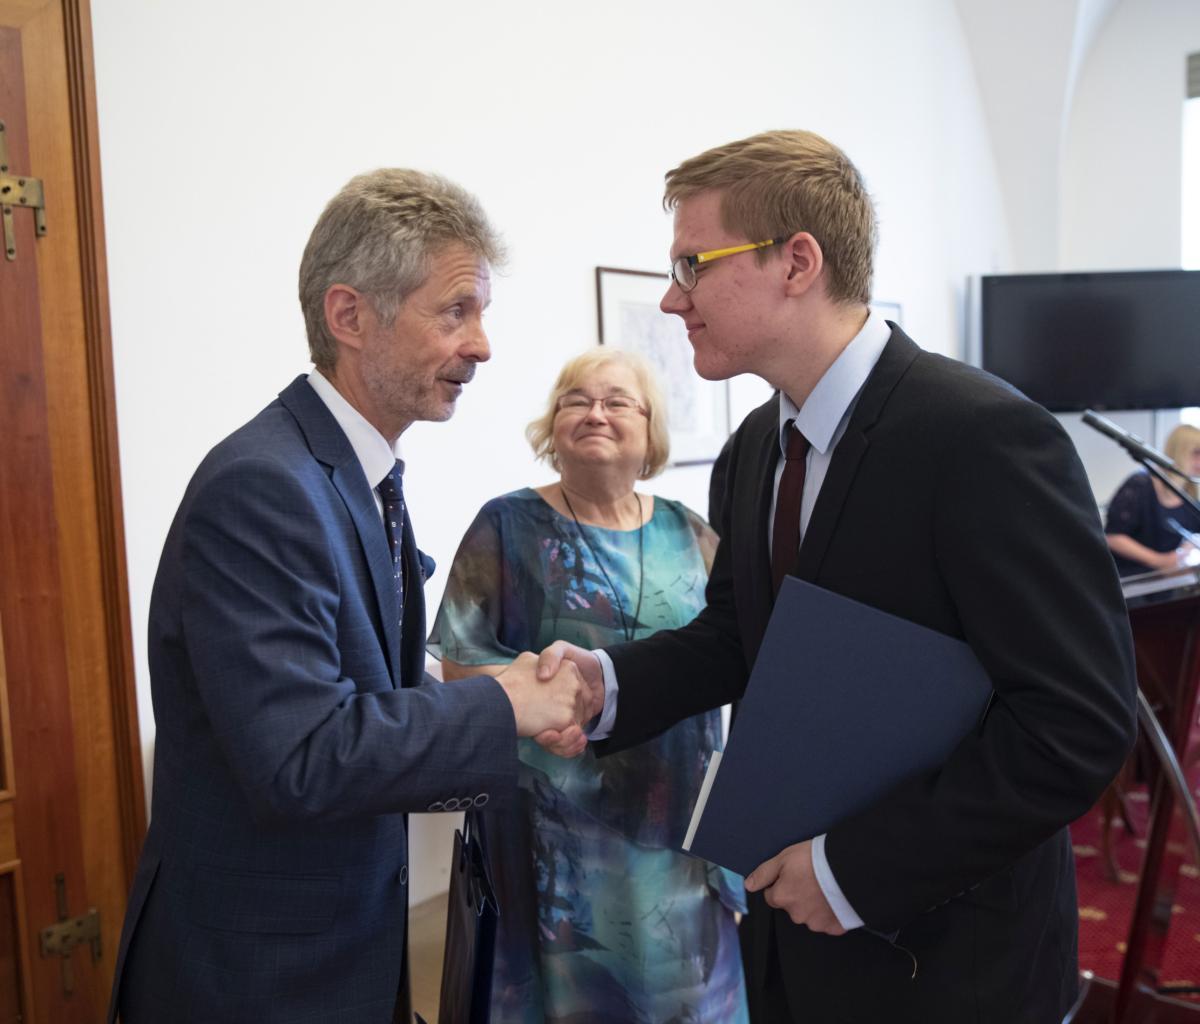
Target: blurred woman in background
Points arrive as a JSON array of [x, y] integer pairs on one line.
[[1139, 527]]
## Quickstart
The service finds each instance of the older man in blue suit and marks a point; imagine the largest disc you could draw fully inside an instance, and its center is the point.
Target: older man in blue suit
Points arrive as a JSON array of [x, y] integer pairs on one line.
[[287, 640]]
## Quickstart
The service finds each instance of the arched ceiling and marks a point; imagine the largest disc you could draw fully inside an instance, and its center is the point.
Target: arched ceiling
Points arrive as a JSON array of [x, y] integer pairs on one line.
[[1027, 56]]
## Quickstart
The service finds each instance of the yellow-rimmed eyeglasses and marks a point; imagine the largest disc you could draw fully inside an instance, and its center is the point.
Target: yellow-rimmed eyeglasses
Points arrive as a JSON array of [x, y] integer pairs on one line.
[[683, 270], [576, 403]]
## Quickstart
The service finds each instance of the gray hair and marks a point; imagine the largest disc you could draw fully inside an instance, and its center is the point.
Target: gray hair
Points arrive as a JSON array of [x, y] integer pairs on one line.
[[378, 235]]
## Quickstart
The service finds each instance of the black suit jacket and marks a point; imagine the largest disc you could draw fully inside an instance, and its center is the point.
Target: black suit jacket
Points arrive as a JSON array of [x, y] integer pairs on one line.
[[956, 503]]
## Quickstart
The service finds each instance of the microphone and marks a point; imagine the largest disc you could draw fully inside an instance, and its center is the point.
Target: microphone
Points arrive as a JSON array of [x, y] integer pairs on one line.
[[1133, 444]]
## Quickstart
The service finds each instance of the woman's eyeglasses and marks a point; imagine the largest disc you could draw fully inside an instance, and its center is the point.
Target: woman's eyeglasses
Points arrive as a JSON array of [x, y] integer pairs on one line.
[[614, 405]]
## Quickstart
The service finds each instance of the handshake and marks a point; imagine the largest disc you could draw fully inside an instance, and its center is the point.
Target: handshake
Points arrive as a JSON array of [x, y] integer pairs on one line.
[[555, 695]]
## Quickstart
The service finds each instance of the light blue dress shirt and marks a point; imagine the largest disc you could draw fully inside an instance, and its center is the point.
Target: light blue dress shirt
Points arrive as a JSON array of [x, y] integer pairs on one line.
[[375, 455]]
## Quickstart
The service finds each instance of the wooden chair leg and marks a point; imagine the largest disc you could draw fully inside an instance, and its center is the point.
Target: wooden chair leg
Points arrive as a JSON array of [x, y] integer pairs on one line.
[[1109, 804]]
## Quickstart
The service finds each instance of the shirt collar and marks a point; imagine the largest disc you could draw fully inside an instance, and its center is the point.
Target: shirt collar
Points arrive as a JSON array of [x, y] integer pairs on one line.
[[818, 419], [375, 455]]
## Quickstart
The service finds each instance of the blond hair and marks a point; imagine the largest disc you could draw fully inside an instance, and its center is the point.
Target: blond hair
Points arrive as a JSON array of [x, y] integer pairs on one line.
[[540, 433], [778, 183], [1181, 442], [378, 235]]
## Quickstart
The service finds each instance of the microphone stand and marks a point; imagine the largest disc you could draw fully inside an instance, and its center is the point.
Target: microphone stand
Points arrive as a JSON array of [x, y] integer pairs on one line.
[[1159, 474], [1135, 978], [1144, 456]]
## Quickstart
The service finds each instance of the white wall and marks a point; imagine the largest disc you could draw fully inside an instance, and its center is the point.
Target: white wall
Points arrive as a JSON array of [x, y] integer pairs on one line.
[[225, 126], [1120, 184], [1022, 54], [1027, 55]]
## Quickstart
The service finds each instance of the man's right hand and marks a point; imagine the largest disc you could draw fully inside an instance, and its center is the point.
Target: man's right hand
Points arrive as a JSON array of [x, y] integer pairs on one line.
[[586, 661], [556, 701], [571, 742]]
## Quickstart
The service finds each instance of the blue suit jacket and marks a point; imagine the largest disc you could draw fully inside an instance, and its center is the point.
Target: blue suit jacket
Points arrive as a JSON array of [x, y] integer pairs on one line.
[[291, 739]]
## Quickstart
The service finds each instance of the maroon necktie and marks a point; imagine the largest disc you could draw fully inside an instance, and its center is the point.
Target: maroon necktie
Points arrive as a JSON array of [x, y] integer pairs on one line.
[[785, 537]]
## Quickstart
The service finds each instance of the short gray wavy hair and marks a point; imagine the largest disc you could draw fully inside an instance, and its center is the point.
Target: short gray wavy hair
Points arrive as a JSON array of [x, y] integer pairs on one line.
[[378, 235]]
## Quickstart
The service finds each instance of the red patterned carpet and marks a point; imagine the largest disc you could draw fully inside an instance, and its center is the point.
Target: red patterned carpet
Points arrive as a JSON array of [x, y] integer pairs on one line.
[[1105, 906]]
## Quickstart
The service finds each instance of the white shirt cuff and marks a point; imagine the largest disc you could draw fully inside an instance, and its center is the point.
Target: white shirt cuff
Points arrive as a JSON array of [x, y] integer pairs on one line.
[[608, 717], [838, 903]]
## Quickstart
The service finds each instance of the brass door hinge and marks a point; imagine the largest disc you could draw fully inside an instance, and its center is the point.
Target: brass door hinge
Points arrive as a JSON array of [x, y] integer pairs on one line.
[[16, 190], [62, 938]]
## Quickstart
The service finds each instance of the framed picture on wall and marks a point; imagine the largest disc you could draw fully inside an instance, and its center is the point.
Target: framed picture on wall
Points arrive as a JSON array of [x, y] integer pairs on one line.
[[629, 318]]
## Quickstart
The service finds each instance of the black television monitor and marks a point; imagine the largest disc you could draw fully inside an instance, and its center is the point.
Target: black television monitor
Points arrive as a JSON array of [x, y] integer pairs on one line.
[[1124, 340]]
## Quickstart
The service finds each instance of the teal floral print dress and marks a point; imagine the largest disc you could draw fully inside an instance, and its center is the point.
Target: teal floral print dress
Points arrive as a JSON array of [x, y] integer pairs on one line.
[[602, 918]]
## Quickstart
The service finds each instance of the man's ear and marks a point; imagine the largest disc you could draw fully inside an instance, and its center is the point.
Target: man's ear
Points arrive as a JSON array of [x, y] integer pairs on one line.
[[346, 311], [805, 262]]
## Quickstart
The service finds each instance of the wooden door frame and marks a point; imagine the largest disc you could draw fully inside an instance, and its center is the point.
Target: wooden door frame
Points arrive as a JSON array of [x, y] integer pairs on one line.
[[93, 262]]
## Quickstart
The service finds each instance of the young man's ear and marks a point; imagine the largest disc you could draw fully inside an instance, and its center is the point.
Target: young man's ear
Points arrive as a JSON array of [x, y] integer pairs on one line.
[[805, 261], [345, 309]]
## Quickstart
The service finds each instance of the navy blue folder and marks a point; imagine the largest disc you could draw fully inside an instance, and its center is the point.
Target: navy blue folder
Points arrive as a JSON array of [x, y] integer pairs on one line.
[[844, 703]]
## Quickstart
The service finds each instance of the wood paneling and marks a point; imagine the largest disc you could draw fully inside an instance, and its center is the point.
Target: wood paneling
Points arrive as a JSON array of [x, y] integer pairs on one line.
[[8, 832], [82, 433], [39, 591], [14, 974], [12, 984], [46, 802], [74, 803], [119, 703], [6, 766]]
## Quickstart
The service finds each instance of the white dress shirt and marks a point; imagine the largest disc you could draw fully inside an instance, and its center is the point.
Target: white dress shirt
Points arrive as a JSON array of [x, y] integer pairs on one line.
[[822, 419], [375, 455]]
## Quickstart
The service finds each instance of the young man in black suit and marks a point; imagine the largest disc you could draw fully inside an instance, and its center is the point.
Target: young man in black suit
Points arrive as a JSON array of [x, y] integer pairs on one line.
[[932, 491]]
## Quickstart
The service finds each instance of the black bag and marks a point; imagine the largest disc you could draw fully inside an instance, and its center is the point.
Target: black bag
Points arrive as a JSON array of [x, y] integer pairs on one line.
[[470, 931]]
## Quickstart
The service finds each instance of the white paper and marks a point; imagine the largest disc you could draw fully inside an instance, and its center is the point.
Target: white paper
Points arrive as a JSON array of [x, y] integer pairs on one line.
[[713, 764]]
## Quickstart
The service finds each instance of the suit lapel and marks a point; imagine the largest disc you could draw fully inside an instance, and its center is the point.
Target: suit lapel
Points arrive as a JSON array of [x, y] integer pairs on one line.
[[352, 485], [412, 642], [766, 456], [330, 446], [821, 525], [749, 490], [895, 359]]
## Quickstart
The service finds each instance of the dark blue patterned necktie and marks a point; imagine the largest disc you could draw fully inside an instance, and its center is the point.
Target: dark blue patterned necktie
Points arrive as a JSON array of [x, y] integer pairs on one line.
[[391, 492]]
